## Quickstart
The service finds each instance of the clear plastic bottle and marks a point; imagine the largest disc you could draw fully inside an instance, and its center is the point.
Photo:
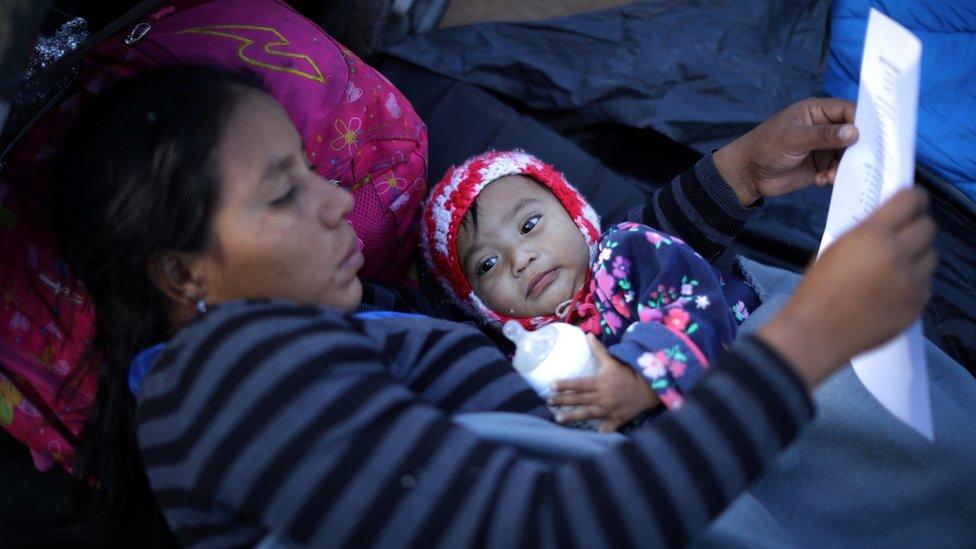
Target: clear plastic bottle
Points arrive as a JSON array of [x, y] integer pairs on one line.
[[555, 351]]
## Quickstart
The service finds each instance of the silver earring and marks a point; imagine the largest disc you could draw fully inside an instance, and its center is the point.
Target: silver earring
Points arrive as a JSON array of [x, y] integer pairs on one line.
[[201, 306]]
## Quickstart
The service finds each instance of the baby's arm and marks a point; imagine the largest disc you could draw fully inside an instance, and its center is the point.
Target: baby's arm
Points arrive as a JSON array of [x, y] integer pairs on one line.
[[663, 314], [708, 204], [650, 366], [662, 307]]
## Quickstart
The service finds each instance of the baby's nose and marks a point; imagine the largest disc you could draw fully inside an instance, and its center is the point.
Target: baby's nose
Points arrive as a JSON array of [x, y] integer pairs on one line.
[[523, 260]]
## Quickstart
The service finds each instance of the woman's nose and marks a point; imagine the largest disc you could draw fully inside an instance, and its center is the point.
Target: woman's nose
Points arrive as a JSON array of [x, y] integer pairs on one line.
[[336, 204]]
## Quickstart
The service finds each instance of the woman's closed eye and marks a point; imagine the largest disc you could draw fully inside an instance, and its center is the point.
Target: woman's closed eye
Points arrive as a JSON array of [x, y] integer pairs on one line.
[[530, 223], [285, 198]]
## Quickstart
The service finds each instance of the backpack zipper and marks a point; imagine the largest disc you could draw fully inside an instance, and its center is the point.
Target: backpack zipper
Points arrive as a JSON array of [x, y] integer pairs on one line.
[[137, 33], [138, 39]]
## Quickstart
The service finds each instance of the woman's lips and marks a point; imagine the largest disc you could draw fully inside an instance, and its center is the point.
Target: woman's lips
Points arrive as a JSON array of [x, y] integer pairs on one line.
[[359, 241], [541, 282], [353, 259]]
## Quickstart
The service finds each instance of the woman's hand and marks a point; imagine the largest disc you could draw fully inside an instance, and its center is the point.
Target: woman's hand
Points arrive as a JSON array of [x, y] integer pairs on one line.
[[800, 145], [616, 394], [866, 287]]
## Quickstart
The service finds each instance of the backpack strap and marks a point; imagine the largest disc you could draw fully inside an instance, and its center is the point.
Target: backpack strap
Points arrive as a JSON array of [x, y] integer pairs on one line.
[[30, 393], [54, 74]]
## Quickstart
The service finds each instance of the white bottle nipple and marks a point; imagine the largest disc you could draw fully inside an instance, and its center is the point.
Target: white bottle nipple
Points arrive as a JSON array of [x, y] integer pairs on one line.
[[514, 332], [531, 348]]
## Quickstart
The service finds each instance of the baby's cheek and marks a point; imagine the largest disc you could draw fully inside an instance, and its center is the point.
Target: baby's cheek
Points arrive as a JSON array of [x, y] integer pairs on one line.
[[495, 296], [583, 256]]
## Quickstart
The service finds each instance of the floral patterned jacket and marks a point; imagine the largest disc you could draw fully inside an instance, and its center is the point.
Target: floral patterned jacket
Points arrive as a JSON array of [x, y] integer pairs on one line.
[[664, 309]]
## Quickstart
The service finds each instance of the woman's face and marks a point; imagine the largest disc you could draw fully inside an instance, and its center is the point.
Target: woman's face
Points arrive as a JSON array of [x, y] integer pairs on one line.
[[280, 231]]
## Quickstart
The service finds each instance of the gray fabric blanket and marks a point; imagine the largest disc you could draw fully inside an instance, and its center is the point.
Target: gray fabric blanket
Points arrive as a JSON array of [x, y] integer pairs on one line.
[[856, 476]]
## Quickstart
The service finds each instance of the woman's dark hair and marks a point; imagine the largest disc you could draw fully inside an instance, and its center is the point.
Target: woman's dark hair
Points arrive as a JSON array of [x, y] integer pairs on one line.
[[136, 176]]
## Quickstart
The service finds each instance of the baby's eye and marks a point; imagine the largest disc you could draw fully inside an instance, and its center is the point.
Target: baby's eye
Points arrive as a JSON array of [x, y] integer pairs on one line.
[[530, 223], [486, 265]]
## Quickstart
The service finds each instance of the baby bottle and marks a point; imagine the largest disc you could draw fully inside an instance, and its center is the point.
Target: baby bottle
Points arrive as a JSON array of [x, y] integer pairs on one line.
[[555, 351]]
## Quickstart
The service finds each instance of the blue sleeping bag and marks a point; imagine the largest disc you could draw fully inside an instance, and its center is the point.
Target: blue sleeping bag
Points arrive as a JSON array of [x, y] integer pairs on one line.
[[947, 100]]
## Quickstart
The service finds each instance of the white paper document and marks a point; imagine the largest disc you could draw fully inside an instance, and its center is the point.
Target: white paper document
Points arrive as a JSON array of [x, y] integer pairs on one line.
[[878, 165]]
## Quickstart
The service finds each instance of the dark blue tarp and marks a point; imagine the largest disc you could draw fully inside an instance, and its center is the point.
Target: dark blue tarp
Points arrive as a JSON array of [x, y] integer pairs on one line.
[[701, 72]]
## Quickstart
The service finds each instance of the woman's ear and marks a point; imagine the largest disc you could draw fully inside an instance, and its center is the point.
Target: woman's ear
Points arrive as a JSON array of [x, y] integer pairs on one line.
[[180, 276]]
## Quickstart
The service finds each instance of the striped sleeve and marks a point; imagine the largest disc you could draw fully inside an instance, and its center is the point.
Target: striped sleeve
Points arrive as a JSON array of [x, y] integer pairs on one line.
[[452, 366], [287, 420], [699, 207]]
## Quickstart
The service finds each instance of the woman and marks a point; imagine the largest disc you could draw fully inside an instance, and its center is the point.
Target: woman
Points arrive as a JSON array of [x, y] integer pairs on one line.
[[184, 195]]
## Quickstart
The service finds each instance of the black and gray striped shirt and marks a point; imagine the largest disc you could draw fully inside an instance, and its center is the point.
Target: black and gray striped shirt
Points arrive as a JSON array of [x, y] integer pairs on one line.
[[699, 207], [266, 418]]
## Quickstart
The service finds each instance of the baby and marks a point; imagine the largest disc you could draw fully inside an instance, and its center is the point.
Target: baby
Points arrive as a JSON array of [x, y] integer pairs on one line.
[[507, 237]]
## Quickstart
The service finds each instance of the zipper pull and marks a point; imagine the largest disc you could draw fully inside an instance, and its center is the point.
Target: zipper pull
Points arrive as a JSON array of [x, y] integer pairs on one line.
[[137, 33]]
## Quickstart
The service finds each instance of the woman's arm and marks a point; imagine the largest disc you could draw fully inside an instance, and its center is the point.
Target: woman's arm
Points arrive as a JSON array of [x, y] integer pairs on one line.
[[865, 288], [289, 419], [450, 365], [699, 206], [707, 205]]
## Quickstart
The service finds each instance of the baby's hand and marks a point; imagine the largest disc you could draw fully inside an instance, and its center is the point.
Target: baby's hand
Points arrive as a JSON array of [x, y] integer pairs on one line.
[[616, 394]]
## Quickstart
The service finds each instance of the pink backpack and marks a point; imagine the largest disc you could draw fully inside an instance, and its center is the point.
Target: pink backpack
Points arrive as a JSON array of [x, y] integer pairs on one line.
[[357, 127]]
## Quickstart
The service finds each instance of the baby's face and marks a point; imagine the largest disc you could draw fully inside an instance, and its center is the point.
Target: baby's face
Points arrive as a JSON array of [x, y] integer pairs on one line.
[[521, 252]]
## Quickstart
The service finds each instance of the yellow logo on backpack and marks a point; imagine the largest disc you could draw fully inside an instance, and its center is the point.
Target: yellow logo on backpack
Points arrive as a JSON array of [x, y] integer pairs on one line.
[[267, 38]]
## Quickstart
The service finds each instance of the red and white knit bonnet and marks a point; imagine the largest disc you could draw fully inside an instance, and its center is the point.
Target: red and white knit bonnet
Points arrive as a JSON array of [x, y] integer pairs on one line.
[[452, 197]]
